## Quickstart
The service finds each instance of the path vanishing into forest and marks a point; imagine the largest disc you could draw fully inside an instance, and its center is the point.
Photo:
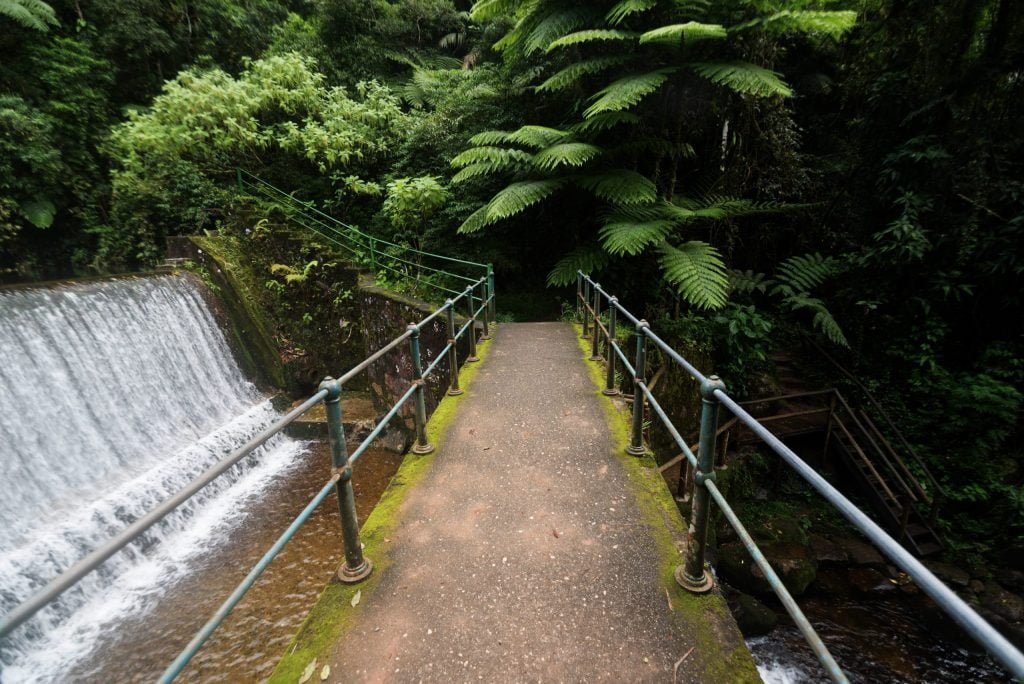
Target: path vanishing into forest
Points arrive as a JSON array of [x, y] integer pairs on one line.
[[530, 549]]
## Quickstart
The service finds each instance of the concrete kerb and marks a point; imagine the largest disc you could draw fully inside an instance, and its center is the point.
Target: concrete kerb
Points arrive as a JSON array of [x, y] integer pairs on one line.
[[334, 612]]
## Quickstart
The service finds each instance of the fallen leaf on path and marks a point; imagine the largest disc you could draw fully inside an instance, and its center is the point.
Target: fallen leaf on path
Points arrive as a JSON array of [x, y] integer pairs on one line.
[[355, 599], [325, 673], [554, 533], [307, 674]]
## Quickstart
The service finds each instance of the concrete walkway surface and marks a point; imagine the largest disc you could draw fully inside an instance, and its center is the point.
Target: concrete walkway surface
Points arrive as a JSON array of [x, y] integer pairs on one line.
[[524, 554]]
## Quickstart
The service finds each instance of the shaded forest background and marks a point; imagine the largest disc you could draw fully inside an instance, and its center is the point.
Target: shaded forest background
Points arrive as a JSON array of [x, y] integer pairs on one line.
[[749, 171]]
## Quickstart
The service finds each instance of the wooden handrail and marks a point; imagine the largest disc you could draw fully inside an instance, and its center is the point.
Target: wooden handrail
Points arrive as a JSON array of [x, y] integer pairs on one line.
[[842, 426], [878, 450], [892, 452]]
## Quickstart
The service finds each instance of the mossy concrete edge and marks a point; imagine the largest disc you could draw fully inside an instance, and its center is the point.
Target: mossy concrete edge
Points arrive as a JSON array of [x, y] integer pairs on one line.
[[333, 613], [719, 652]]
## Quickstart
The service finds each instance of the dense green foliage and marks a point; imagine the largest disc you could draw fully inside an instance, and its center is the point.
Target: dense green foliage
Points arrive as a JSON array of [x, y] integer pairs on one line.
[[743, 169]]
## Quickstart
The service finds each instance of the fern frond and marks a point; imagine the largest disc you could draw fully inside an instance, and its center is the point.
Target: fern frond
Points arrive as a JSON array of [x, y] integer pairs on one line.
[[475, 170], [555, 25], [633, 238], [33, 14], [588, 259], [822, 320], [719, 207], [618, 13], [574, 72], [591, 35], [691, 31], [620, 186], [501, 156], [697, 272], [565, 154], [493, 9], [744, 78], [832, 24], [627, 92], [604, 121], [745, 282], [805, 272], [529, 136], [519, 196], [476, 221]]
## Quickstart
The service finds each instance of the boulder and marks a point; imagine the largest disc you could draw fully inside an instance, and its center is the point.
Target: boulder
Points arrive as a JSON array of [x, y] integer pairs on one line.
[[950, 574], [824, 550], [792, 562], [860, 553], [1005, 604], [869, 581], [753, 617]]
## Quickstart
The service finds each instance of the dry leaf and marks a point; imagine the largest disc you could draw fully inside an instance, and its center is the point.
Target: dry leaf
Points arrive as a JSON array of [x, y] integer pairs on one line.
[[307, 674], [355, 599], [325, 673]]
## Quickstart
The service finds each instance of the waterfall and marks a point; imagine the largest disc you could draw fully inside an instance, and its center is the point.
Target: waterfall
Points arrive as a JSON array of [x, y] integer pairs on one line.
[[113, 395]]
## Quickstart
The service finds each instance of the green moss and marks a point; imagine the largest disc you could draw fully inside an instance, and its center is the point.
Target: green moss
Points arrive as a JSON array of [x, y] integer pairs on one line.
[[333, 613], [719, 651]]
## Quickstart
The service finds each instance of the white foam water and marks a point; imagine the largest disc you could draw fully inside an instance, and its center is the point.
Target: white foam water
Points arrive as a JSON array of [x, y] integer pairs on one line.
[[114, 395]]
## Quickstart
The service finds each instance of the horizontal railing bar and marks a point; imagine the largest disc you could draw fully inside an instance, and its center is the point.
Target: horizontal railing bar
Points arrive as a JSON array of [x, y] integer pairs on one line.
[[802, 623], [438, 359], [680, 442], [435, 314], [624, 360], [381, 424], [93, 560], [362, 365], [469, 322], [246, 584], [982, 632], [342, 223]]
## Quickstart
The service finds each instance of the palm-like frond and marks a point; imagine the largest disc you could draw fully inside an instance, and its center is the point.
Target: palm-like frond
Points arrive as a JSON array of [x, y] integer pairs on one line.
[[803, 273], [574, 154], [591, 35], [627, 92], [691, 31], [536, 137], [510, 201], [832, 24], [633, 237], [33, 14], [588, 259], [620, 186], [493, 9], [574, 72], [604, 121], [822, 320], [486, 160], [555, 25], [747, 281], [719, 207], [624, 8], [744, 78], [697, 272]]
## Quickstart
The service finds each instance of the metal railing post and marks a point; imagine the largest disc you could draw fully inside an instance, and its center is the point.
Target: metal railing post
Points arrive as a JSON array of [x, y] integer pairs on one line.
[[579, 295], [422, 445], [609, 385], [356, 567], [636, 442], [486, 308], [490, 292], [692, 575], [453, 355], [595, 349], [373, 257], [472, 358], [585, 303]]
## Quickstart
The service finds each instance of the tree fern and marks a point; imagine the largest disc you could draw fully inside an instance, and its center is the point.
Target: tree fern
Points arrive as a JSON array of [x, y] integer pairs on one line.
[[697, 272], [591, 35], [490, 155], [691, 31], [822, 320], [494, 9], [589, 258], [744, 78], [745, 282], [555, 25], [627, 92], [624, 8], [565, 154], [510, 201], [537, 137], [631, 238], [620, 186], [33, 14], [604, 121], [803, 273], [574, 72], [832, 24]]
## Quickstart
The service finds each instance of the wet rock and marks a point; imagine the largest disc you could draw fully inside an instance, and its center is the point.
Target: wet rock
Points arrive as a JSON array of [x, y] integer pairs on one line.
[[396, 441], [1012, 580], [832, 581], [869, 581], [976, 586], [860, 553], [753, 617], [1015, 633], [824, 550], [785, 530], [1005, 604], [949, 573], [792, 562]]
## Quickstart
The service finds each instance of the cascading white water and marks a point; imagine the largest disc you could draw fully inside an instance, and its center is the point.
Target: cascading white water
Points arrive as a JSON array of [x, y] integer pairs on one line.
[[113, 395]]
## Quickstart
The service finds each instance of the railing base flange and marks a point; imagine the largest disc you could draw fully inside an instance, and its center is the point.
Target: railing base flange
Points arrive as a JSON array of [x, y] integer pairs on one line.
[[346, 575], [455, 392], [472, 359], [422, 449], [611, 392], [636, 451], [701, 586]]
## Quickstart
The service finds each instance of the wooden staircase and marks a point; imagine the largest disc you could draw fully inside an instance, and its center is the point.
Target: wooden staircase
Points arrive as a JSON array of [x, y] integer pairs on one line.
[[903, 504]]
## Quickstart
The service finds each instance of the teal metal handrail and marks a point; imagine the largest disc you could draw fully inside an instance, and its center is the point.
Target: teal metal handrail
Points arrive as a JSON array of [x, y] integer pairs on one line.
[[692, 575], [355, 567], [364, 247]]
